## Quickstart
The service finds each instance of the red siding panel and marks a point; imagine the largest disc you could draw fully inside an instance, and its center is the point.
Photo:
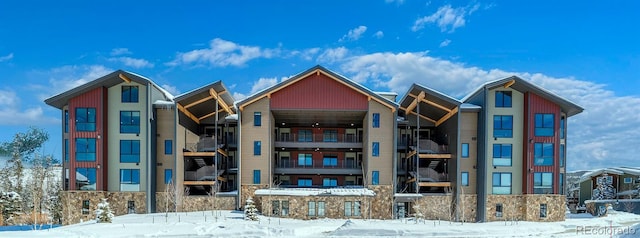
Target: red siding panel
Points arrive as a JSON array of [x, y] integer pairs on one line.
[[533, 104], [318, 91], [95, 98]]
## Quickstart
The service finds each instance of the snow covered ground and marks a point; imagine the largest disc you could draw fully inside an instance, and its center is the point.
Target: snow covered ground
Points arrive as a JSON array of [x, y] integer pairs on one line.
[[231, 224]]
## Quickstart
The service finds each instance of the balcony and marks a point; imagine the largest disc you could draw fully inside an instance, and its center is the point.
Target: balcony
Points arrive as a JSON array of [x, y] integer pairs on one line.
[[299, 167], [319, 140]]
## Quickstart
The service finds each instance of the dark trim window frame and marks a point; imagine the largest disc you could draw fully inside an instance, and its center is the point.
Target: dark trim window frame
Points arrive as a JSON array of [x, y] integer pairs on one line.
[[503, 99], [130, 94], [130, 122], [168, 147], [257, 119], [85, 119], [544, 124], [85, 149], [465, 150], [543, 154], [543, 183], [129, 151], [503, 126], [502, 155], [464, 177], [376, 120], [501, 183], [375, 149]]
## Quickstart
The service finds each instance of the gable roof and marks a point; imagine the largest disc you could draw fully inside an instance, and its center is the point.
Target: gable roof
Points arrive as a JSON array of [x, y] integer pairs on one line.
[[107, 81], [192, 103], [433, 106], [317, 70], [524, 86]]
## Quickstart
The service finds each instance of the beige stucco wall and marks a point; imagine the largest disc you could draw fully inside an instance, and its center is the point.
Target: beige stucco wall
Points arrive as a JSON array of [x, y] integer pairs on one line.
[[383, 135], [115, 105], [517, 111], [468, 134], [166, 129], [251, 133]]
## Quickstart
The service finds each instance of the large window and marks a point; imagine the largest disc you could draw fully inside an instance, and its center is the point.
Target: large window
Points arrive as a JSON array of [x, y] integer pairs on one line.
[[86, 178], [543, 154], [66, 150], [330, 161], [305, 136], [465, 150], [465, 178], [375, 177], [168, 147], [502, 126], [375, 149], [352, 209], [257, 147], [85, 119], [502, 154], [129, 93], [561, 160], [376, 120], [501, 183], [311, 209], [321, 208], [330, 136], [129, 151], [562, 127], [66, 121], [305, 160], [544, 124], [503, 98], [85, 149], [256, 176], [329, 182], [168, 176], [542, 183], [130, 122], [130, 180], [561, 184], [305, 182], [257, 118]]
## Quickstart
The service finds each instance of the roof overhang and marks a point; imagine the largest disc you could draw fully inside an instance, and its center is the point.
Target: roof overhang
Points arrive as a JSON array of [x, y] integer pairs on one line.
[[200, 103], [429, 104]]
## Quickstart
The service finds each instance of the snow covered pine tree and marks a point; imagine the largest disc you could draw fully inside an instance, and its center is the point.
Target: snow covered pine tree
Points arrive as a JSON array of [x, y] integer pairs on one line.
[[604, 188], [250, 210], [103, 213]]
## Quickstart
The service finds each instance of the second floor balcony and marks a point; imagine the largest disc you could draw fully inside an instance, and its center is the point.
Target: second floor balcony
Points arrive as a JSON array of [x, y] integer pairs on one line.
[[326, 139], [327, 166]]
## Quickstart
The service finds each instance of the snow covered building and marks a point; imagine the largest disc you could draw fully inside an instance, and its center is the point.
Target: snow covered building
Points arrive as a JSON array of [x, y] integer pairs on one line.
[[609, 183], [317, 145]]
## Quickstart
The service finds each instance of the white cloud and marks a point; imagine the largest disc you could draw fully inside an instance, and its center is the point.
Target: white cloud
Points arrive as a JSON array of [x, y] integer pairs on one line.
[[445, 43], [399, 2], [222, 53], [306, 54], [12, 113], [66, 77], [6, 57], [132, 62], [378, 34], [447, 18], [173, 90], [604, 135], [354, 34], [120, 51], [332, 55]]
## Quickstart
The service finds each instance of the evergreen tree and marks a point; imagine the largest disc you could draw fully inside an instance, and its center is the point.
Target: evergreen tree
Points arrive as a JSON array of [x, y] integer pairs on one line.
[[604, 189], [417, 210], [250, 210], [103, 213], [11, 205]]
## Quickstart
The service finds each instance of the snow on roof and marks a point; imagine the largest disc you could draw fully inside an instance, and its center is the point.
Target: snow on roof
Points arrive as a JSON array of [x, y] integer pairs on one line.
[[163, 102], [407, 195], [232, 117], [616, 170], [162, 90], [315, 192], [470, 106]]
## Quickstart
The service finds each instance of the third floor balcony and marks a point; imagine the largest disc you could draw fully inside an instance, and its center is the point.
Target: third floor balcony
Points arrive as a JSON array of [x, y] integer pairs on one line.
[[327, 138]]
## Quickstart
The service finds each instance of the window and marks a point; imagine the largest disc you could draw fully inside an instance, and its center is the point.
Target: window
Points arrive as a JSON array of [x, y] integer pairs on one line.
[[502, 154], [285, 208], [542, 183], [543, 154], [544, 124], [465, 150], [543, 210], [465, 178], [352, 209], [257, 119], [275, 208], [330, 161], [305, 182], [129, 93], [305, 160], [85, 119], [129, 151], [503, 98], [130, 122], [503, 126], [320, 208], [499, 210], [329, 182], [66, 121], [168, 176], [562, 127], [305, 136], [168, 147], [256, 176], [130, 180], [85, 207], [561, 184], [375, 149], [375, 177], [501, 183], [131, 207], [66, 150], [86, 178], [376, 120], [85, 149], [628, 180], [311, 209], [257, 147], [561, 155], [330, 136]]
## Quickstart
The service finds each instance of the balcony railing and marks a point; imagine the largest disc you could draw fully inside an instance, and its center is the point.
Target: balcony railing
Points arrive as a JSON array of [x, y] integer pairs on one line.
[[340, 138], [338, 165]]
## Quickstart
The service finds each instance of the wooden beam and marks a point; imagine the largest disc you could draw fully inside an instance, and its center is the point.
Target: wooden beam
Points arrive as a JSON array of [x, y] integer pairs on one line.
[[201, 154], [412, 153], [411, 180], [423, 117], [210, 183], [414, 103], [220, 101], [446, 117], [222, 152], [188, 113], [508, 84], [210, 114], [198, 102], [436, 105], [434, 184], [220, 178], [124, 78], [435, 156]]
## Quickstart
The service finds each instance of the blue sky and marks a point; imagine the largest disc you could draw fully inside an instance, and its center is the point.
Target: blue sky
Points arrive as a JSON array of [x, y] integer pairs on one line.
[[585, 51]]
